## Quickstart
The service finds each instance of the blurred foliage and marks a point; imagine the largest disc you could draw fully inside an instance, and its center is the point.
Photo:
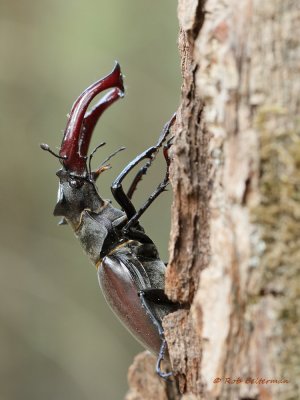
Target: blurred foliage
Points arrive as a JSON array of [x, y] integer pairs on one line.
[[58, 339]]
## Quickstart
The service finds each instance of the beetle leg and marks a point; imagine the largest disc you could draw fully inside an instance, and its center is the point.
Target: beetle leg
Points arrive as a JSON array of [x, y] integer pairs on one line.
[[157, 324], [161, 356], [157, 296], [153, 318], [160, 188], [138, 177], [117, 190]]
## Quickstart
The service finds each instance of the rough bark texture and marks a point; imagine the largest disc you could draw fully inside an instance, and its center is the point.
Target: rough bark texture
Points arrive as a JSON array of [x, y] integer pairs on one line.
[[235, 243]]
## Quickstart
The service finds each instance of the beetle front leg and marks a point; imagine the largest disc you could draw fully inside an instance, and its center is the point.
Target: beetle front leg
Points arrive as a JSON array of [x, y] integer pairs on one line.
[[138, 177], [160, 188], [123, 199]]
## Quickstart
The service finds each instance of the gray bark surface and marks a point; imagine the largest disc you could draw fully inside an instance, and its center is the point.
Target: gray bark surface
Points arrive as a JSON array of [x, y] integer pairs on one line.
[[235, 243]]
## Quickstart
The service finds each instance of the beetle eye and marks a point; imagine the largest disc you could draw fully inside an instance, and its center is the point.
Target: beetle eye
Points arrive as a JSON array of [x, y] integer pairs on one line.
[[75, 183]]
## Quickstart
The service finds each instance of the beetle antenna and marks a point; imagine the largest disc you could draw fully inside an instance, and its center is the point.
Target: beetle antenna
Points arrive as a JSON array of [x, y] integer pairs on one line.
[[102, 167], [112, 155], [92, 155], [47, 148]]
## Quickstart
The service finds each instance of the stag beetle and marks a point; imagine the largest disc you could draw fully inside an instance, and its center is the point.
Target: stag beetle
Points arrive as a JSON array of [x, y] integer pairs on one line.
[[130, 272]]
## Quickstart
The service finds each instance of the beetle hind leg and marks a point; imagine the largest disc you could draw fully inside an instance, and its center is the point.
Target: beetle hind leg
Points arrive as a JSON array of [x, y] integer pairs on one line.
[[161, 356], [163, 348]]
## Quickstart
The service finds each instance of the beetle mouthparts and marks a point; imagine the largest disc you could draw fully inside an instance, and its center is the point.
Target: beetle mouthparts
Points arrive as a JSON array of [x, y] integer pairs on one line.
[[80, 126]]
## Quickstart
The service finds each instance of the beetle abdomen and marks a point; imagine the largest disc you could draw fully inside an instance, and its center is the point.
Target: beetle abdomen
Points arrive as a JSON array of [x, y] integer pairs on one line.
[[120, 288]]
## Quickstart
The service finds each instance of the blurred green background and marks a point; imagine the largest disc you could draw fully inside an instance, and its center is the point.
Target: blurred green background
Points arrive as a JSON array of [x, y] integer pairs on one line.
[[58, 339]]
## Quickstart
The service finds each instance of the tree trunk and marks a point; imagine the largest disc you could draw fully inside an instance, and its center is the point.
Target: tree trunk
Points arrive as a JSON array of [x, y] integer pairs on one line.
[[235, 243]]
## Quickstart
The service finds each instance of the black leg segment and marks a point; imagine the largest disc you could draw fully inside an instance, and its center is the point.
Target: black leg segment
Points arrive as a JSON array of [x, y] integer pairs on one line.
[[120, 196], [160, 330], [160, 188]]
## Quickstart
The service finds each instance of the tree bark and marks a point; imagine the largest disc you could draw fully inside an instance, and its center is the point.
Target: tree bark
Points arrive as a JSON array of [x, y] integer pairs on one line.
[[235, 243]]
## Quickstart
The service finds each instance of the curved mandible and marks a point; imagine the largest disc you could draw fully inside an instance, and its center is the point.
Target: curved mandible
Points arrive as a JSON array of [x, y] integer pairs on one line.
[[79, 128]]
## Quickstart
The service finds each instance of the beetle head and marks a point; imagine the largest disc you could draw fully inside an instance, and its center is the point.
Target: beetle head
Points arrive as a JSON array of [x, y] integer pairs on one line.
[[75, 194]]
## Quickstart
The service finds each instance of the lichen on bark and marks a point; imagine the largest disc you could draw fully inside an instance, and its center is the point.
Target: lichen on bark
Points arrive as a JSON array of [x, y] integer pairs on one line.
[[278, 215]]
